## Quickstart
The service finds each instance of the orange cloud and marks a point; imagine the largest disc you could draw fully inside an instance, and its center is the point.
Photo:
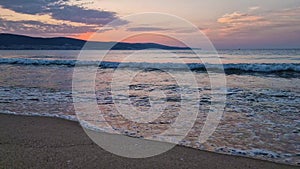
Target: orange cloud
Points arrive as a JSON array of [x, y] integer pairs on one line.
[[83, 36], [238, 18], [239, 22], [256, 27]]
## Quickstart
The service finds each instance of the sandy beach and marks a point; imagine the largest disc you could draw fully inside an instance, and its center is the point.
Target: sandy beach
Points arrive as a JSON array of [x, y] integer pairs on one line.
[[149, 84], [41, 142]]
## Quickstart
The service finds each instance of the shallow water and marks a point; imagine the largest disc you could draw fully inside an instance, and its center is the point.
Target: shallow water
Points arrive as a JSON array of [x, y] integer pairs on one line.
[[261, 117]]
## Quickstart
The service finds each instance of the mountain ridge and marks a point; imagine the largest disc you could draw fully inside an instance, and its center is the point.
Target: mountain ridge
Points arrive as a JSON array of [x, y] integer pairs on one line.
[[23, 42]]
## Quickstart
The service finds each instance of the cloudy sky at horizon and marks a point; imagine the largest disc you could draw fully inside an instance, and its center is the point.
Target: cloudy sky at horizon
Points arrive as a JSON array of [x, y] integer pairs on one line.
[[230, 24]]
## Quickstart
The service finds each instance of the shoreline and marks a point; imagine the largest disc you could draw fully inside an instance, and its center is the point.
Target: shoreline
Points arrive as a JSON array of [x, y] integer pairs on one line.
[[47, 142]]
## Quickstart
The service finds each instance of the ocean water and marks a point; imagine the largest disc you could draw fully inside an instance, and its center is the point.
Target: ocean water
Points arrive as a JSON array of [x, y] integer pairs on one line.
[[261, 117]]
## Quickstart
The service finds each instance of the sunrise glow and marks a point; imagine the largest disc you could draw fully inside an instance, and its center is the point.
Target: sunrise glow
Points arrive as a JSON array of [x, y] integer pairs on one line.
[[253, 24]]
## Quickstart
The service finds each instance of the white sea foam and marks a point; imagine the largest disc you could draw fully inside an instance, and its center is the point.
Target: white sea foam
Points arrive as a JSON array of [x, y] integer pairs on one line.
[[244, 67], [62, 116], [252, 152], [256, 153]]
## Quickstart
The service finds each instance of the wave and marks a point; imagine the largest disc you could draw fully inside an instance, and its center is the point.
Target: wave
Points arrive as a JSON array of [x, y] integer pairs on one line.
[[254, 153], [244, 67], [61, 116]]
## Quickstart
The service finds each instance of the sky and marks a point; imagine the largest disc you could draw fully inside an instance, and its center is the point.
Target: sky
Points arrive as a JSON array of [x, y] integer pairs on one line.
[[229, 24]]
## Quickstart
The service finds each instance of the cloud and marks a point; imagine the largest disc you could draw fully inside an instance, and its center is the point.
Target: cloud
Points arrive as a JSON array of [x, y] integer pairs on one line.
[[61, 10], [254, 8], [239, 18], [268, 28], [36, 27], [285, 18], [146, 29], [27, 7], [189, 30], [238, 22], [81, 15], [246, 23]]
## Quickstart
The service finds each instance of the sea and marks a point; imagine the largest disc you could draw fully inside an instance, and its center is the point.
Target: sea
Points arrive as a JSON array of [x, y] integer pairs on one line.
[[260, 117]]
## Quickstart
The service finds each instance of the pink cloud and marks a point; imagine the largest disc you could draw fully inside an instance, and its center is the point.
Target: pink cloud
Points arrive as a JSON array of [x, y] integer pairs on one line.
[[239, 18], [259, 27], [237, 22]]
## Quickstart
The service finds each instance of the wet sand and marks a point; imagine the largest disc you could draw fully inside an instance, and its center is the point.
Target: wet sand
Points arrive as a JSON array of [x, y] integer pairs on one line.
[[41, 142]]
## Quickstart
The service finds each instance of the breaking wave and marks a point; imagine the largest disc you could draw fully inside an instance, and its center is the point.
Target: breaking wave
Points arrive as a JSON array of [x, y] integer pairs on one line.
[[244, 67]]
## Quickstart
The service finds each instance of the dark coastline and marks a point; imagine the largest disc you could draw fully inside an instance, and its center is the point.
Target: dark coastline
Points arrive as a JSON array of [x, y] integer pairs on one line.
[[21, 42]]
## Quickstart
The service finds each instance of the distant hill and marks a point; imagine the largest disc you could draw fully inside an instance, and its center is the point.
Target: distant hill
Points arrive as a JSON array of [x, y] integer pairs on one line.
[[21, 42]]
